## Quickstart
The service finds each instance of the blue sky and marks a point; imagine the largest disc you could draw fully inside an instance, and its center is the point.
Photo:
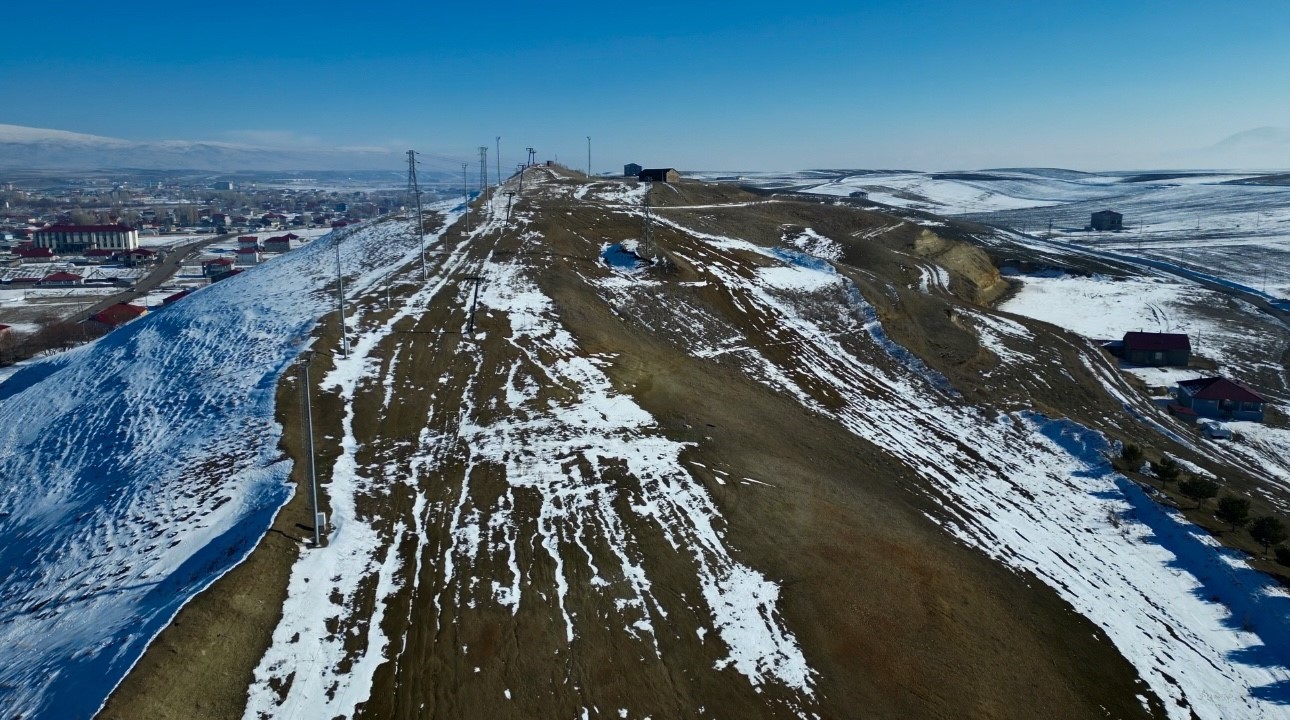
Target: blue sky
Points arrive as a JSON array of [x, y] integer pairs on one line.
[[750, 85]]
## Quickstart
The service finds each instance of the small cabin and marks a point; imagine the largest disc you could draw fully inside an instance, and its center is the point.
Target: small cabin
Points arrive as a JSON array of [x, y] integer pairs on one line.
[[1157, 349], [664, 175]]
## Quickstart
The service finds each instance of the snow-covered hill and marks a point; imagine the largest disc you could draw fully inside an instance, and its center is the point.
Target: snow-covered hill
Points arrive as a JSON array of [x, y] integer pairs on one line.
[[140, 468]]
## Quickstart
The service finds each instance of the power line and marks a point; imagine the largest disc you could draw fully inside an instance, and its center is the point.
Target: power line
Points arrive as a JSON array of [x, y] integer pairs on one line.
[[465, 191], [415, 190]]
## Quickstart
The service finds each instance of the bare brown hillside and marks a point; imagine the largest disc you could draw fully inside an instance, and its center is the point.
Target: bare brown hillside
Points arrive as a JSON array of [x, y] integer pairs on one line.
[[581, 489]]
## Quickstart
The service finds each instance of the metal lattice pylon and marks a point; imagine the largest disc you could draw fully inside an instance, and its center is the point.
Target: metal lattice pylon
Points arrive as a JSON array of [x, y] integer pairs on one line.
[[647, 249]]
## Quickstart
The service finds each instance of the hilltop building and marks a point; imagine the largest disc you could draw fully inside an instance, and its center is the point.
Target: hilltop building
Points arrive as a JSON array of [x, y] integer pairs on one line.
[[665, 175], [1107, 220], [79, 238], [632, 170]]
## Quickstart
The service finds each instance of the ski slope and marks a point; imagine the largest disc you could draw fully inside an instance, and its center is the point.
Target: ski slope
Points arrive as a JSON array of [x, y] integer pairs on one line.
[[141, 467]]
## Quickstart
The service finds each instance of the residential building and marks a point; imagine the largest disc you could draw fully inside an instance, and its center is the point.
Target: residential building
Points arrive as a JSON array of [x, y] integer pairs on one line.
[[218, 266], [117, 315], [282, 243], [61, 279], [247, 256], [1220, 398]]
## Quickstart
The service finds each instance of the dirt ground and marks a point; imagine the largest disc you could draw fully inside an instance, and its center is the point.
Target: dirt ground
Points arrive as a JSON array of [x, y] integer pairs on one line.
[[897, 619]]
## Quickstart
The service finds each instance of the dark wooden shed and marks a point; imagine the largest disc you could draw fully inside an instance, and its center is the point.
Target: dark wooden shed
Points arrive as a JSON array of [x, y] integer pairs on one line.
[[1107, 220], [666, 175], [1157, 349]]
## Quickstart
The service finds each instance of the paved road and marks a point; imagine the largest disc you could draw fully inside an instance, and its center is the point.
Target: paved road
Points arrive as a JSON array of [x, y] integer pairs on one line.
[[160, 274]]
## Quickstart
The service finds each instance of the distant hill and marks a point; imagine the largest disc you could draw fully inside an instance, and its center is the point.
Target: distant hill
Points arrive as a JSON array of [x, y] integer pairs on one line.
[[43, 149], [1263, 148]]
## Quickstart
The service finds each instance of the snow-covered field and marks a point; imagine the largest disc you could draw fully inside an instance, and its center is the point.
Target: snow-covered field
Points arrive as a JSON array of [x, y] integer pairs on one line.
[[110, 510], [1201, 220]]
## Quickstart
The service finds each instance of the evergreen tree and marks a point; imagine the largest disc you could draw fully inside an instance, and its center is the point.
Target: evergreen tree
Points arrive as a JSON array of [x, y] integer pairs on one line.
[[1233, 510], [1131, 454], [1198, 489], [1268, 531], [1167, 469]]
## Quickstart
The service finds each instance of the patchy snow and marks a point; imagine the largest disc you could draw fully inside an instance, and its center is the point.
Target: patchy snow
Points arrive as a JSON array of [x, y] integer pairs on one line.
[[158, 475], [305, 653], [795, 278], [813, 243], [1208, 634], [603, 429]]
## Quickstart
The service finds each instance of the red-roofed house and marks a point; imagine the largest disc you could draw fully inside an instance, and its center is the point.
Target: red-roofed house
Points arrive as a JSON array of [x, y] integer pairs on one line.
[[61, 279], [281, 243], [1221, 398], [117, 315], [35, 254], [177, 296], [1157, 349], [211, 268], [140, 256], [248, 241], [99, 254], [247, 256]]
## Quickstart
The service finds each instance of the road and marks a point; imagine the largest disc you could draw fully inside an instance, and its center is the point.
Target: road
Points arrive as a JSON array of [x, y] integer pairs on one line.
[[160, 275]]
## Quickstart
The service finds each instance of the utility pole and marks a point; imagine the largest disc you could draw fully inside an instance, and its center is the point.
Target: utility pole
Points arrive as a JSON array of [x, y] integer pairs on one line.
[[520, 169], [470, 324], [499, 159], [483, 169], [509, 197], [588, 157], [340, 303], [415, 191], [319, 520], [465, 191]]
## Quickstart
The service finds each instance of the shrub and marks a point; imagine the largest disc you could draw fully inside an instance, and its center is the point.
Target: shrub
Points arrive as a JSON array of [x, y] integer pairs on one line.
[[1283, 555]]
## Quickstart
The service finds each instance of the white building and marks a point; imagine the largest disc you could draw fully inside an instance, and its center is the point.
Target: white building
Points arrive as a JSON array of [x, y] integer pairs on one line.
[[79, 238], [247, 256]]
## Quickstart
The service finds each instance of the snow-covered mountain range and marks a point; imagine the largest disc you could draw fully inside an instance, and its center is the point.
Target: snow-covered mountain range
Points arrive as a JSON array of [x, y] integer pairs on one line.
[[42, 149]]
